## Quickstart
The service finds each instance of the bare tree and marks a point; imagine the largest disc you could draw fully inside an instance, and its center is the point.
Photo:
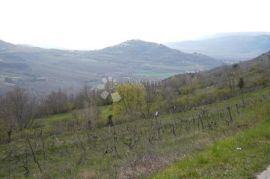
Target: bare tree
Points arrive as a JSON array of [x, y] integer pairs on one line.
[[151, 95], [18, 109], [7, 120], [241, 85], [22, 106], [88, 114], [57, 102]]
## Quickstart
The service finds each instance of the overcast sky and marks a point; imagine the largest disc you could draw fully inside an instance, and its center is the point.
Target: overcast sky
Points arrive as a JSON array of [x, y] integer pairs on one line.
[[92, 24]]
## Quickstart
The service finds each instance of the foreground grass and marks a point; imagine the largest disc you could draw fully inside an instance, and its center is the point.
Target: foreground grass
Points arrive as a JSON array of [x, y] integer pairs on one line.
[[240, 156], [71, 152]]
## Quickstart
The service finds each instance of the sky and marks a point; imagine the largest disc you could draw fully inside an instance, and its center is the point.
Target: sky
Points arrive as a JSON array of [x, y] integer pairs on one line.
[[94, 24]]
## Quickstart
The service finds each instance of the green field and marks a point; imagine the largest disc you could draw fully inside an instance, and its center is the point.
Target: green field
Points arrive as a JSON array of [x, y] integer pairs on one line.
[[140, 147], [240, 156], [154, 74]]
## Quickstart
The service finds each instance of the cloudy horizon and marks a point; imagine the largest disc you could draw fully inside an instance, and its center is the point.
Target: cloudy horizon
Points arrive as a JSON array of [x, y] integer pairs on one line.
[[86, 25]]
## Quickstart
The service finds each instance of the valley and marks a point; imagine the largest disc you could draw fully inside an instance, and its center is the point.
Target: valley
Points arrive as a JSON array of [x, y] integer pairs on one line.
[[45, 70], [197, 114]]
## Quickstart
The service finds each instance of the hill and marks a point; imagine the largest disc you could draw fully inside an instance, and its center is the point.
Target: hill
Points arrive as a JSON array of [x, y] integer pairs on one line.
[[49, 69], [194, 111], [231, 47], [255, 72]]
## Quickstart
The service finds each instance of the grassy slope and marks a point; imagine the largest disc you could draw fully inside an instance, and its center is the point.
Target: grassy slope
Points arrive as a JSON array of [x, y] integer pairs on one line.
[[240, 156], [64, 146]]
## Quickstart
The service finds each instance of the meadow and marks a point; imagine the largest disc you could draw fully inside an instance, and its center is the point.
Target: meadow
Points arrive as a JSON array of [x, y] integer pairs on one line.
[[60, 146]]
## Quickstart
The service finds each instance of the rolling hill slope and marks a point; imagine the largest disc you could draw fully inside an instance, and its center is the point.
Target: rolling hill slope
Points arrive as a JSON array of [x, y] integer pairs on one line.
[[255, 72], [230, 47], [49, 69], [204, 112]]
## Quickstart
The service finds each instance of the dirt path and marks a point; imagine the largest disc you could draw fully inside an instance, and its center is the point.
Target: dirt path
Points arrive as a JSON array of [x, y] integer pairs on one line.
[[265, 174]]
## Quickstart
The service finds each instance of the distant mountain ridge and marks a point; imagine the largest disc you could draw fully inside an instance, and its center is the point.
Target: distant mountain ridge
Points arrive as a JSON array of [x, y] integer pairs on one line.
[[151, 52], [231, 47], [49, 69]]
